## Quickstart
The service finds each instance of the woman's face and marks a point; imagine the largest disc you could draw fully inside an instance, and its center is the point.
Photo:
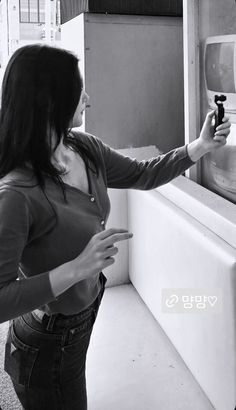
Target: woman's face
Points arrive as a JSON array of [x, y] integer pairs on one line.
[[78, 115]]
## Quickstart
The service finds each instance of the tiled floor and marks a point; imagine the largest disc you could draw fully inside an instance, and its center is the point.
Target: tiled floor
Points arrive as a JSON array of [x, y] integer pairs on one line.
[[132, 365]]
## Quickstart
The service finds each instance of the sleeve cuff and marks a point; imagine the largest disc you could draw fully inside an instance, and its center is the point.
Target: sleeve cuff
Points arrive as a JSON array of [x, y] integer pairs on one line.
[[187, 155], [48, 287], [42, 283]]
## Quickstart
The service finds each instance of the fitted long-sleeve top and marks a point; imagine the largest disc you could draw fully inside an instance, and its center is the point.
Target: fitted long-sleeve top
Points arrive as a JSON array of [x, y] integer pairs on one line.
[[33, 241]]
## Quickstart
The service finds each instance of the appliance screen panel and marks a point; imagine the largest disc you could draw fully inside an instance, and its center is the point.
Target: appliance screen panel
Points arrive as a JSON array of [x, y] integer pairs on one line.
[[219, 67]]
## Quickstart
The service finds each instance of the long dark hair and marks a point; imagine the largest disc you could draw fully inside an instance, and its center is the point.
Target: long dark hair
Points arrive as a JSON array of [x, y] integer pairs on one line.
[[40, 92]]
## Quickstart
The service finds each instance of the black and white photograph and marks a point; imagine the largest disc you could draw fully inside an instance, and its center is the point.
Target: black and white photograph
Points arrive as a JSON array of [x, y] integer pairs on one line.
[[117, 205]]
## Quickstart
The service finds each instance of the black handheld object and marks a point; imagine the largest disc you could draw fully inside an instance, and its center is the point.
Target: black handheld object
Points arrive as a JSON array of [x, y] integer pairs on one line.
[[219, 99]]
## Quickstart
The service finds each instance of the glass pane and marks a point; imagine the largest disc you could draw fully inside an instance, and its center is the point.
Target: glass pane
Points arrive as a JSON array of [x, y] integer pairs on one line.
[[42, 5], [33, 16], [34, 11], [42, 17], [24, 4], [42, 11], [24, 9], [24, 17]]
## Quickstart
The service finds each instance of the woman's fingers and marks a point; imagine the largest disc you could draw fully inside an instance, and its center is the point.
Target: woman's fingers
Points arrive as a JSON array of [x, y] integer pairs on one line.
[[225, 119], [223, 133], [220, 138], [101, 246], [99, 252], [220, 134], [110, 251], [107, 262], [209, 116], [108, 232], [109, 241], [223, 128]]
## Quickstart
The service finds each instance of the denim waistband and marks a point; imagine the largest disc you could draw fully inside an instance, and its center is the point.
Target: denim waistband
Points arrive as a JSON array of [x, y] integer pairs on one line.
[[67, 320]]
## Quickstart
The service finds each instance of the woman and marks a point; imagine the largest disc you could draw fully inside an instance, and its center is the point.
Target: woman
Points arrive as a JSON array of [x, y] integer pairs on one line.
[[54, 207]]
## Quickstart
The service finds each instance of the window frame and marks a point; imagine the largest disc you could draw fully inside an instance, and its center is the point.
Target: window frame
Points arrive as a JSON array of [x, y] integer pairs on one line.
[[38, 13]]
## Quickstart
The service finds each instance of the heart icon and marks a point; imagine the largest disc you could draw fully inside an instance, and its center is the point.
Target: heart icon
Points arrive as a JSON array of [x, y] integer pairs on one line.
[[212, 300]]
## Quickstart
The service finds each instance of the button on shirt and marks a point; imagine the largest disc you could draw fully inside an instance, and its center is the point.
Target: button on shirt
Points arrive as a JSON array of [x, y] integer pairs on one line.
[[33, 241]]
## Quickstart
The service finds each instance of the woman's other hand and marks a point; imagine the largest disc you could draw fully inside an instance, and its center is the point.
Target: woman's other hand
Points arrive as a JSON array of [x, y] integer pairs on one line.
[[99, 252], [96, 256]]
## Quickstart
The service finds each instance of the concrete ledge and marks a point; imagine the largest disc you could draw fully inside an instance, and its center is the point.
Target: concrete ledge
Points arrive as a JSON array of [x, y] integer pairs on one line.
[[213, 211]]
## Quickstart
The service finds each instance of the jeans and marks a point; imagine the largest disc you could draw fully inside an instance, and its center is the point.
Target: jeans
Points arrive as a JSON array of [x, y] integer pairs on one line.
[[46, 359]]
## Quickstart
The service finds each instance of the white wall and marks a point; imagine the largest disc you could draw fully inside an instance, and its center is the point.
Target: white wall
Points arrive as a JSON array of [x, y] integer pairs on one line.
[[172, 249], [134, 76], [118, 273], [72, 39]]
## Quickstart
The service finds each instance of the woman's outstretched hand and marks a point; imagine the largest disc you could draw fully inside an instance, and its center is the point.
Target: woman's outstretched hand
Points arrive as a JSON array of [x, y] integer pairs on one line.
[[208, 140], [211, 140]]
